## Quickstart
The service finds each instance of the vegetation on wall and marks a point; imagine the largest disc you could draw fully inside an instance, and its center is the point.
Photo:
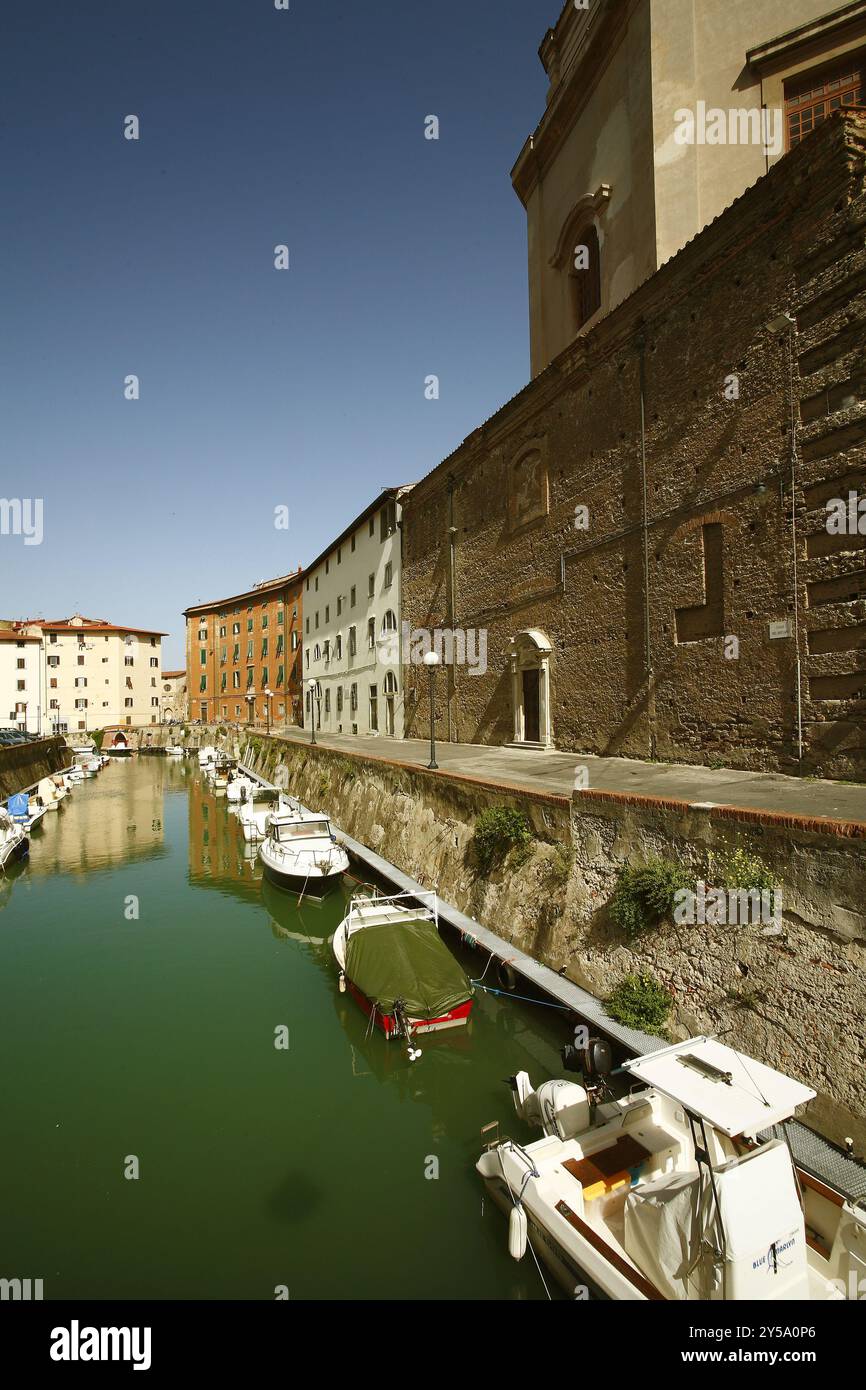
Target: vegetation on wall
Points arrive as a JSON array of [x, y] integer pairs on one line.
[[738, 869], [498, 830], [645, 895], [640, 1001], [98, 735]]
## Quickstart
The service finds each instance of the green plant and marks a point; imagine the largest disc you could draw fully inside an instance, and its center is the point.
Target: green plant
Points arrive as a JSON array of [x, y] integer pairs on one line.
[[737, 868], [498, 830], [644, 896], [559, 867], [639, 1001], [98, 735]]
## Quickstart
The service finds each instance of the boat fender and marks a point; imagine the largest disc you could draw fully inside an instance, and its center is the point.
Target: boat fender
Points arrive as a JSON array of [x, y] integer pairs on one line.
[[517, 1233], [342, 983], [507, 977]]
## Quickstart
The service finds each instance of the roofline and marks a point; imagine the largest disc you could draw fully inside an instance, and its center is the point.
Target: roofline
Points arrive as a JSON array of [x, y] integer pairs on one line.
[[267, 586], [64, 626], [387, 494]]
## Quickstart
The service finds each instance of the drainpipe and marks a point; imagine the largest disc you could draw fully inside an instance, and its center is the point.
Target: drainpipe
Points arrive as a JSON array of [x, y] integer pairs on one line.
[[648, 661], [784, 323], [452, 583]]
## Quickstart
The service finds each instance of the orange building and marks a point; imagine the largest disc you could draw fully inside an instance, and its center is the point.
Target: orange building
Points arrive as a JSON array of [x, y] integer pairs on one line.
[[239, 649]]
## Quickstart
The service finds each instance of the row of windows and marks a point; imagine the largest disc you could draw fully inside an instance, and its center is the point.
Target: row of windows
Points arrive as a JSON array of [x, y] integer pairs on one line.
[[323, 650], [387, 527]]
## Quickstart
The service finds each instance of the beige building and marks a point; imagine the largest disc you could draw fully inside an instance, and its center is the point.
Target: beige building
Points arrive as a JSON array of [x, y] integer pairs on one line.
[[174, 697], [660, 113], [82, 674]]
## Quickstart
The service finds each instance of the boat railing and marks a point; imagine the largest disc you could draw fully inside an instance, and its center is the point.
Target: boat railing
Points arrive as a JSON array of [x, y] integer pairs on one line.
[[361, 900]]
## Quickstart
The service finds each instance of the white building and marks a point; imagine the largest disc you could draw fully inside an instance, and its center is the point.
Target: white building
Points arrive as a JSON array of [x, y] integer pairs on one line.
[[20, 680], [78, 675], [352, 626]]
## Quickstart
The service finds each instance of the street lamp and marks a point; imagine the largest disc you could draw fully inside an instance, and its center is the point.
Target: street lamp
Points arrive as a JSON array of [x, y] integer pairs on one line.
[[311, 687], [431, 661], [269, 695], [250, 698]]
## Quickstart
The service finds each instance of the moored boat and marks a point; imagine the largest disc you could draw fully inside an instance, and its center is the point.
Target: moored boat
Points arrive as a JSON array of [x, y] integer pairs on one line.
[[50, 794], [25, 811], [300, 852], [174, 750], [681, 1190], [398, 968], [13, 839]]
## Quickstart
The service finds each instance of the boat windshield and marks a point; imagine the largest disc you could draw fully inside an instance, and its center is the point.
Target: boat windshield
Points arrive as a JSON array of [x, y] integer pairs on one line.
[[303, 829]]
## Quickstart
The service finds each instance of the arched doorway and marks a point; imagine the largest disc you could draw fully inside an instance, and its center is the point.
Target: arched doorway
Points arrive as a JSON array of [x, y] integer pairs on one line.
[[530, 689]]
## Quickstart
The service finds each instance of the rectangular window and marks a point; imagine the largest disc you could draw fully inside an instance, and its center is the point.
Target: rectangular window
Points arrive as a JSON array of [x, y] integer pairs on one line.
[[264, 647], [249, 624], [374, 709], [317, 620], [236, 680], [281, 675], [295, 642], [81, 661], [389, 574], [339, 699], [352, 597], [236, 654], [371, 634], [279, 651], [371, 586], [223, 654], [265, 681], [353, 647], [223, 630], [281, 617], [338, 646], [202, 685], [202, 657], [353, 698], [264, 620], [327, 613], [249, 677], [813, 96], [223, 680], [327, 699], [339, 604], [250, 650], [236, 629], [308, 625]]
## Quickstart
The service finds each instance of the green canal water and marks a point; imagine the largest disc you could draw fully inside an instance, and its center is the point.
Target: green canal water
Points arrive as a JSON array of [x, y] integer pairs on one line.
[[153, 1037]]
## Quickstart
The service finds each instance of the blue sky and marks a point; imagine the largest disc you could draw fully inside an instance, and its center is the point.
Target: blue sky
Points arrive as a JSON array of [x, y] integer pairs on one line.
[[258, 388]]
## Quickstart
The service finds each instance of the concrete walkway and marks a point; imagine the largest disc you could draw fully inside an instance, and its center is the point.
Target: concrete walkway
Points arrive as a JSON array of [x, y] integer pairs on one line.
[[555, 772]]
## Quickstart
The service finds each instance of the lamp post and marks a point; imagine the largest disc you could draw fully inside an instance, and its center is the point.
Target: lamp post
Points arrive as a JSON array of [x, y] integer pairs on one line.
[[431, 661], [250, 698], [311, 687], [269, 695]]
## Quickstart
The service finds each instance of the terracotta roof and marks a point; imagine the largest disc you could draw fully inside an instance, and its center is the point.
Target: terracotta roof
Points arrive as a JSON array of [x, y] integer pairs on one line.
[[10, 635], [172, 675], [88, 625]]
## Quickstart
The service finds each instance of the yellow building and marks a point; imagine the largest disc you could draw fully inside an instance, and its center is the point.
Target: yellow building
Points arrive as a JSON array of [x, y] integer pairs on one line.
[[660, 113]]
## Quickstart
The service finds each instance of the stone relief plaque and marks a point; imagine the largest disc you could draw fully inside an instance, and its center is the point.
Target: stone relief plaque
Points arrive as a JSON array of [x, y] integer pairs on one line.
[[527, 488]]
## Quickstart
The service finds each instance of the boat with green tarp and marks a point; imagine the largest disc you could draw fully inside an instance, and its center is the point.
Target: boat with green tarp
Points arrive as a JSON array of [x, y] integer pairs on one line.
[[396, 965]]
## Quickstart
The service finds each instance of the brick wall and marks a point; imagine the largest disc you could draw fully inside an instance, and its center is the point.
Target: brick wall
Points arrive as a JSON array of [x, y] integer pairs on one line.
[[719, 392]]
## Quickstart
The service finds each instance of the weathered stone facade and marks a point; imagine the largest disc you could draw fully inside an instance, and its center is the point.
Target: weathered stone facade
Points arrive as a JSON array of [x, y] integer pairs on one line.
[[642, 626]]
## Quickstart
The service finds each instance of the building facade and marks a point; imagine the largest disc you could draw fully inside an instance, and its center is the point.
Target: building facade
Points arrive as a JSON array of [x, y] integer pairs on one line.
[[173, 699], [352, 626], [659, 114], [21, 681], [79, 674], [243, 655], [649, 534]]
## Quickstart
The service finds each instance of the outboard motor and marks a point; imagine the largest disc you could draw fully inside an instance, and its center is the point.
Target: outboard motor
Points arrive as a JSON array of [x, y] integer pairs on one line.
[[559, 1108]]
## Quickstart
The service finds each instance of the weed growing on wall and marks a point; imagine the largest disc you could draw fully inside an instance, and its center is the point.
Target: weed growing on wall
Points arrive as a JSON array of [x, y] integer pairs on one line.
[[498, 830], [639, 1001], [737, 868], [644, 896]]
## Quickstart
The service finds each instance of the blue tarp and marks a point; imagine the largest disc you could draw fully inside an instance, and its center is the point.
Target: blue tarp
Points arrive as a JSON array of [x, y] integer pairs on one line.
[[18, 806]]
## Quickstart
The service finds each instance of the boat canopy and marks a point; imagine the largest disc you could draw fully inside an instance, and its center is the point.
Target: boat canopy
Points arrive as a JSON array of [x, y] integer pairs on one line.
[[18, 804], [407, 961], [733, 1093]]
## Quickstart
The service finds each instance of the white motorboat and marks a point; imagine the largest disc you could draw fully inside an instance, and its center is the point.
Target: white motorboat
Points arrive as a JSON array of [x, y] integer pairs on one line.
[[62, 786], [255, 815], [207, 755], [25, 811], [13, 839], [174, 750], [300, 852], [50, 794], [240, 788], [680, 1190]]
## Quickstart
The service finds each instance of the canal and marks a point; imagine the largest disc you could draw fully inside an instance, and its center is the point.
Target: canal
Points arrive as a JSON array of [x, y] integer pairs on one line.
[[145, 972]]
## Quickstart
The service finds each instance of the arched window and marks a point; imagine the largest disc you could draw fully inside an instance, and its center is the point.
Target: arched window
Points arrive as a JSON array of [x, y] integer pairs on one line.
[[390, 684], [585, 276], [389, 621]]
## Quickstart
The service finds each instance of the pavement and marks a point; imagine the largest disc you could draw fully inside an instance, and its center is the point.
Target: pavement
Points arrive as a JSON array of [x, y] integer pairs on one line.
[[555, 772]]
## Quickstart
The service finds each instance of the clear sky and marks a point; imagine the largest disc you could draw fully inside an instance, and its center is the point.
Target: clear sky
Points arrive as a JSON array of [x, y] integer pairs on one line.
[[258, 387]]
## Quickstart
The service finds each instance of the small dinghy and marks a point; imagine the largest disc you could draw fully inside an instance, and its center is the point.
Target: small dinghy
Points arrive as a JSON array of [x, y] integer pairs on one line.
[[301, 852], [13, 839], [240, 788], [685, 1188], [174, 750], [399, 969]]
